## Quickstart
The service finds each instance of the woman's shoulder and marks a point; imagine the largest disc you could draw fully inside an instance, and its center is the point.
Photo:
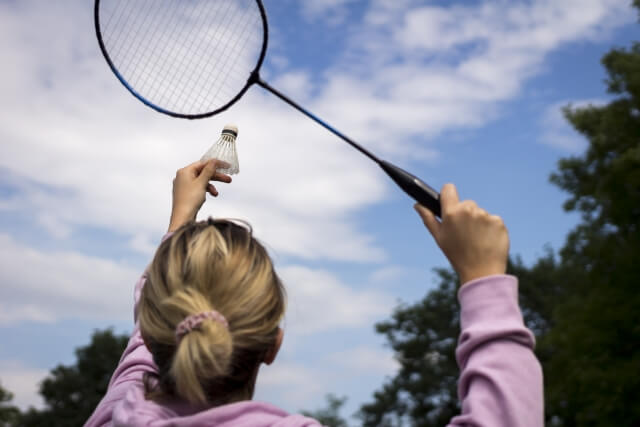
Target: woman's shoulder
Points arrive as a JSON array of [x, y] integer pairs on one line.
[[135, 410]]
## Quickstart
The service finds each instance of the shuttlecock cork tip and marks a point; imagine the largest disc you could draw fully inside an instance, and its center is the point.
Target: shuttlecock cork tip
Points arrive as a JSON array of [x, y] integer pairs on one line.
[[231, 129]]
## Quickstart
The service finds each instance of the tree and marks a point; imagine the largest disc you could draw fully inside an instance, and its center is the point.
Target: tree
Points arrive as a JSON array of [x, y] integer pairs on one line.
[[582, 304], [330, 415], [422, 336], [8, 413], [71, 393], [596, 333]]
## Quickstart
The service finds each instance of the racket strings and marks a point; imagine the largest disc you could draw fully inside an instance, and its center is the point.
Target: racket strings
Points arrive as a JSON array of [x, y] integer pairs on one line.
[[178, 93], [195, 79], [128, 51], [188, 58], [233, 67], [145, 73], [217, 71], [128, 43]]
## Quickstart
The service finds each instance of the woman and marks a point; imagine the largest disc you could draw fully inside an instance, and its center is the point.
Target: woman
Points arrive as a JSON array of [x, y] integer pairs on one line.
[[209, 306]]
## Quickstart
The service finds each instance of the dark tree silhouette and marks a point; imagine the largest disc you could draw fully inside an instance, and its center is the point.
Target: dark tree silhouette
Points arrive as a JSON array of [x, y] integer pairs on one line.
[[8, 413], [71, 393], [330, 415], [596, 333]]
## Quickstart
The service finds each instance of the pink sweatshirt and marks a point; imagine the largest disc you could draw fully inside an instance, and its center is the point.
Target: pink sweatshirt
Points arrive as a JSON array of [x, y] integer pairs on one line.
[[500, 381]]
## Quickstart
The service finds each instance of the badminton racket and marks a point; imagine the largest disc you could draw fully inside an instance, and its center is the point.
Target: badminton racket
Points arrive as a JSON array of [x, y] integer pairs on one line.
[[196, 58]]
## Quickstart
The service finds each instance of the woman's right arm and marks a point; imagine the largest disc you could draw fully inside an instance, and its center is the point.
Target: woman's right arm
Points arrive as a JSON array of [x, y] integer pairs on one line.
[[500, 380], [189, 188]]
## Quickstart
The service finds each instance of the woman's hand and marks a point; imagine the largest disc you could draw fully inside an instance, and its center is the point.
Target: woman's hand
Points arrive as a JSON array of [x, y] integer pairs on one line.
[[189, 188], [476, 243]]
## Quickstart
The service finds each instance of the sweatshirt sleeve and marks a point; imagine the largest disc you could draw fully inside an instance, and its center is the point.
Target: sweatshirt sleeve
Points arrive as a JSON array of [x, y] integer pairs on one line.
[[500, 380], [135, 361]]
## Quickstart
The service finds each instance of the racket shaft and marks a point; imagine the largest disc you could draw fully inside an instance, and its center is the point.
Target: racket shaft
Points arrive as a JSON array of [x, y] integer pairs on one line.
[[414, 187], [317, 120]]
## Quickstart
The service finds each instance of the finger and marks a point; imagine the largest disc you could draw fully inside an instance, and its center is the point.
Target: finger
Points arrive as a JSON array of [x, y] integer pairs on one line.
[[192, 169], [211, 189], [469, 206], [221, 164], [219, 176], [196, 167], [497, 220], [209, 171], [430, 221], [448, 198]]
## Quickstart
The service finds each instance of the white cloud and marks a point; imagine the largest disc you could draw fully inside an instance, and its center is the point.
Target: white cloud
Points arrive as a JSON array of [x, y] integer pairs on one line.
[[333, 12], [557, 132], [319, 302], [536, 26], [412, 71], [48, 286], [23, 382], [295, 385], [304, 386], [388, 274], [366, 361], [53, 226]]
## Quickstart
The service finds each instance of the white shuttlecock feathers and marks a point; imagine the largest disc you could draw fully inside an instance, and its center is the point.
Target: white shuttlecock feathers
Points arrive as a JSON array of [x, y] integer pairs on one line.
[[225, 149]]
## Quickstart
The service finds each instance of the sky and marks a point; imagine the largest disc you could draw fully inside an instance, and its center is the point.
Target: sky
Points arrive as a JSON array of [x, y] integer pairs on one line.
[[468, 92]]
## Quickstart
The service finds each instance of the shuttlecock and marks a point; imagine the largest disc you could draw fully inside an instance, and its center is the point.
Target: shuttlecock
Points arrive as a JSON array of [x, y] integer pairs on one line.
[[225, 149]]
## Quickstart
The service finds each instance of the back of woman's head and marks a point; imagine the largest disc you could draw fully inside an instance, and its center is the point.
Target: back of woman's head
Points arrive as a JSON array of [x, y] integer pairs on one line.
[[210, 267]]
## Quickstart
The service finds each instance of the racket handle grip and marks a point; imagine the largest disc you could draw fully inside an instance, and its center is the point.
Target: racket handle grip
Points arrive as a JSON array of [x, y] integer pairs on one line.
[[414, 187]]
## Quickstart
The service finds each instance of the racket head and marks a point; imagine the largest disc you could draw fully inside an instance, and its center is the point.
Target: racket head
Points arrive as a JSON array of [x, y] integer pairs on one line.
[[222, 45]]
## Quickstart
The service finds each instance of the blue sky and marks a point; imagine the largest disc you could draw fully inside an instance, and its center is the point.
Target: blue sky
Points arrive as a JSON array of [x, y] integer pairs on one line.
[[456, 91]]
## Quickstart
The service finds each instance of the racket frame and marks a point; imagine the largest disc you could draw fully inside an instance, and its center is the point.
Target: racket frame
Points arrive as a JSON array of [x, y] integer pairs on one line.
[[145, 101]]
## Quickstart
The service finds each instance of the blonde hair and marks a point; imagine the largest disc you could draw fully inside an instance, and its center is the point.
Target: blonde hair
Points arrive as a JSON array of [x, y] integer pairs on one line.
[[210, 265]]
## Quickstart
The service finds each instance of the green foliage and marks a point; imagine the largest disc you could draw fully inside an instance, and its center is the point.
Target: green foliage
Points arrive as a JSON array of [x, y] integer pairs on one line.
[[604, 183], [423, 337], [541, 288], [582, 304], [330, 415], [8, 413], [597, 328], [71, 393]]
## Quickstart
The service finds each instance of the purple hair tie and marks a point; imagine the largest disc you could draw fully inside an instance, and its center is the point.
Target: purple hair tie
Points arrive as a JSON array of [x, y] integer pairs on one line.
[[192, 322]]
